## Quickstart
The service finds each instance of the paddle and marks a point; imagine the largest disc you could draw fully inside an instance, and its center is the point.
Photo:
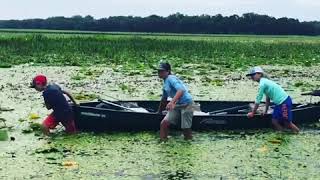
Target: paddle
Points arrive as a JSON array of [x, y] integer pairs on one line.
[[113, 104], [313, 93], [228, 109]]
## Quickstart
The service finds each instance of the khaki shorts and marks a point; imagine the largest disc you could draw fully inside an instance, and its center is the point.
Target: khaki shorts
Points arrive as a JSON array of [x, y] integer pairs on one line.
[[183, 114]]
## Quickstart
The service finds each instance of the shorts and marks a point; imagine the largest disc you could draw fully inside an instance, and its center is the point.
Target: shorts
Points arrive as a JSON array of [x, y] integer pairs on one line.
[[183, 114], [51, 122], [283, 112]]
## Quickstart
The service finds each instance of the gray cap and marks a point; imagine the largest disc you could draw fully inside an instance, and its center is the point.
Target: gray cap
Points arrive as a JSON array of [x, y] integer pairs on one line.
[[255, 70]]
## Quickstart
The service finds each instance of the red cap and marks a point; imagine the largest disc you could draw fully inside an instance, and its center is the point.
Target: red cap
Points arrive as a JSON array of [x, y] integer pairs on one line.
[[39, 80]]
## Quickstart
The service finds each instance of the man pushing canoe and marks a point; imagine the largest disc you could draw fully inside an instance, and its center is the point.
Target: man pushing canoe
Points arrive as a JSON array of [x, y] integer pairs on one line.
[[179, 108], [282, 113], [54, 99]]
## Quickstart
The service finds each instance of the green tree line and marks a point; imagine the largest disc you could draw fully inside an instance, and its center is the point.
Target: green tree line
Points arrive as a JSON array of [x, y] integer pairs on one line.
[[249, 23]]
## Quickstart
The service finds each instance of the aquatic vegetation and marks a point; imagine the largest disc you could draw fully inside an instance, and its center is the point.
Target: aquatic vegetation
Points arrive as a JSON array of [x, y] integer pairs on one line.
[[33, 127], [214, 67], [87, 73], [3, 135], [82, 96], [138, 53], [226, 154], [5, 109], [3, 123]]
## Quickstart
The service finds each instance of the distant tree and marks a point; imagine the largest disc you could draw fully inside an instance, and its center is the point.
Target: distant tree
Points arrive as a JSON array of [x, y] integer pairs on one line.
[[248, 23]]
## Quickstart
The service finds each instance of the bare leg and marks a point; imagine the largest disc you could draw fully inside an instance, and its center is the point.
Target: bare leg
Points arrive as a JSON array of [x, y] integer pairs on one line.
[[164, 130], [276, 125], [70, 126], [45, 130], [293, 127], [187, 134]]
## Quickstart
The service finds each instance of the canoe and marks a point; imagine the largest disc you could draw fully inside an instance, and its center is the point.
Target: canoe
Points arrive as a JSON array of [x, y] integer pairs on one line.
[[214, 115]]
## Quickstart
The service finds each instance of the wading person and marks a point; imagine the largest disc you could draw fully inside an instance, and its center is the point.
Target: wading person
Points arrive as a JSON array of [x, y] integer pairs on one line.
[[180, 108], [282, 114], [54, 99]]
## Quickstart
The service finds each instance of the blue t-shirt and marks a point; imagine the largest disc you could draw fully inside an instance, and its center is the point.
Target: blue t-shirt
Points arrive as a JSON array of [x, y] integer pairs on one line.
[[53, 96], [170, 87]]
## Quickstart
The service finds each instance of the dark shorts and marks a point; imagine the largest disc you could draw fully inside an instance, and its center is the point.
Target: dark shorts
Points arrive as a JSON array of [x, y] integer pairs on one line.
[[283, 112]]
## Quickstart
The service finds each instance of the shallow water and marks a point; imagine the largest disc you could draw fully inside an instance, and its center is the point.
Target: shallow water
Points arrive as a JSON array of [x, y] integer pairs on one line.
[[212, 155]]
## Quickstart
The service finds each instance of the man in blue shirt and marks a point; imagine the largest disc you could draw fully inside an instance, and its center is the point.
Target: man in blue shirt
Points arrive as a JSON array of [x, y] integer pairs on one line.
[[179, 108]]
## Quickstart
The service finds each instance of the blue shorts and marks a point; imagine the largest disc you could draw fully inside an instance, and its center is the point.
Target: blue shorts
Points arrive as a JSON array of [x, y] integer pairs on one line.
[[283, 112]]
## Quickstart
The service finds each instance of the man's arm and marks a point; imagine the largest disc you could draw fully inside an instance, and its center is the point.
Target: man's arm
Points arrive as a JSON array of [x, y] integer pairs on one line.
[[178, 95], [47, 106], [258, 101], [47, 100], [180, 88], [175, 99], [162, 105], [268, 100]]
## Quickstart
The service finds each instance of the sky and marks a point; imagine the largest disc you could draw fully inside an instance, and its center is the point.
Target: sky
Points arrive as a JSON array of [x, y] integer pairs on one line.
[[304, 10]]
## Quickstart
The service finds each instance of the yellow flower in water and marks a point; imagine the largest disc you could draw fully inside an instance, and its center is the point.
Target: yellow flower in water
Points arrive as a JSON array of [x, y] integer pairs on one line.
[[34, 116], [263, 149], [70, 164]]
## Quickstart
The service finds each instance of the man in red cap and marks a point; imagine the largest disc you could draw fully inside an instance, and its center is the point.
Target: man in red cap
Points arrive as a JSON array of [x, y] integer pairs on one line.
[[54, 99]]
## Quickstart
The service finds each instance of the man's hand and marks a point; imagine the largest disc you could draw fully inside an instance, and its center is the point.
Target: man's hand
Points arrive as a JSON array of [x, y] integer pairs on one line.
[[250, 115], [170, 106]]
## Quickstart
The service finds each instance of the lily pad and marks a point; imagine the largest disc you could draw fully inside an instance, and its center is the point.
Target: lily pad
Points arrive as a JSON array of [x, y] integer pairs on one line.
[[3, 135]]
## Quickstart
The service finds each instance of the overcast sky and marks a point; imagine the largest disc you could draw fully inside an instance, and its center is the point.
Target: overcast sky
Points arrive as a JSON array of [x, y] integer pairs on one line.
[[304, 10]]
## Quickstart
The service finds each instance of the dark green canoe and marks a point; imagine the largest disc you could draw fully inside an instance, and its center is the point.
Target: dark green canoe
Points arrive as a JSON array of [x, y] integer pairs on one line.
[[117, 116]]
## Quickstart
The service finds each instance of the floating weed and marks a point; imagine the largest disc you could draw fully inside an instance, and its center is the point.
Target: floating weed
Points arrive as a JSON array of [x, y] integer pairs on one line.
[[153, 96], [217, 82], [36, 126], [82, 96], [78, 77], [3, 135], [6, 109], [5, 65], [3, 122], [33, 128], [176, 175], [22, 120], [89, 72], [304, 85], [214, 82], [127, 88], [140, 53]]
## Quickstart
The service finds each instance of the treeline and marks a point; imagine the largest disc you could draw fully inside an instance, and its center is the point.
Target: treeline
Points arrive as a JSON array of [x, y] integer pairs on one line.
[[249, 23]]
